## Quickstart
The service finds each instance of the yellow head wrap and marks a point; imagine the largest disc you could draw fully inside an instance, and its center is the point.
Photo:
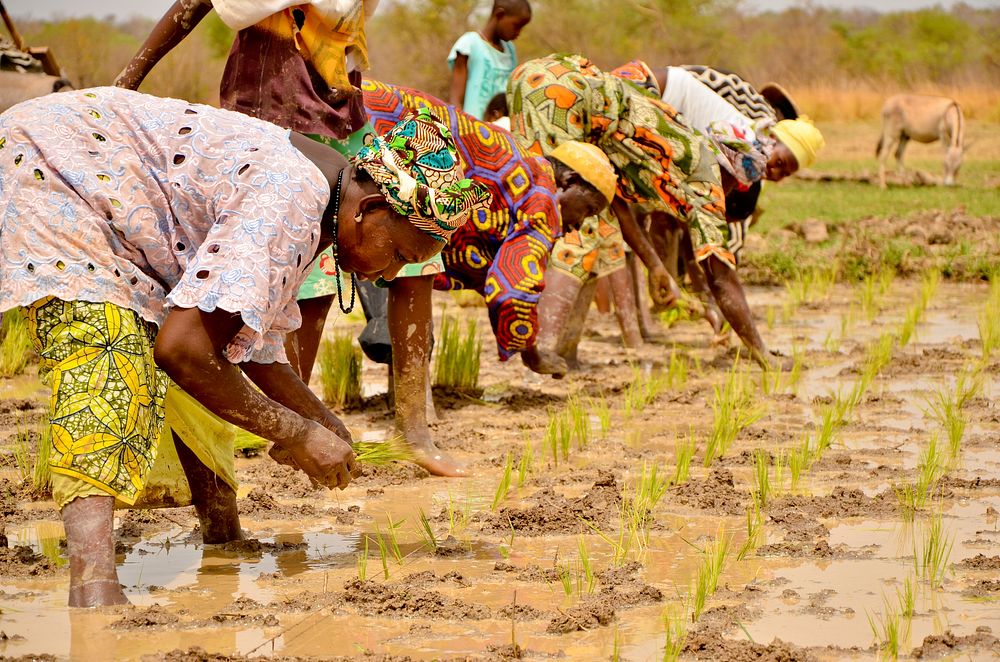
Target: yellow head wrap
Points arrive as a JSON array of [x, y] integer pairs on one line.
[[802, 137], [591, 163]]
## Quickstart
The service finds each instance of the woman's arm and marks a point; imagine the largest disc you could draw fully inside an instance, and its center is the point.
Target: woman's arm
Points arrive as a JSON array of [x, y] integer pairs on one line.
[[175, 25], [189, 348], [662, 288]]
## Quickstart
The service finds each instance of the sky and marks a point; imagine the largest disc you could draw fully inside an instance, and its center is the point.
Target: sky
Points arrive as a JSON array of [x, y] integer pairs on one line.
[[45, 9]]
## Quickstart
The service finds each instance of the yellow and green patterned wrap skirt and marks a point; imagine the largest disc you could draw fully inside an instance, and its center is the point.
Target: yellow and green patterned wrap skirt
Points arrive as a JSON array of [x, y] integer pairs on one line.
[[109, 406]]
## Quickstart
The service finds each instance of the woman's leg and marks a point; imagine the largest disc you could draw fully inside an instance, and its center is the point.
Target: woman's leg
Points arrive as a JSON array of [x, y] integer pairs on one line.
[[213, 498], [93, 579]]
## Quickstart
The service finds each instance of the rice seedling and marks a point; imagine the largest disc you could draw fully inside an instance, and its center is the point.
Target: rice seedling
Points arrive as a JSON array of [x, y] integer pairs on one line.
[[928, 287], [780, 463], [675, 629], [877, 356], [989, 332], [15, 343], [913, 497], [647, 493], [907, 599], [733, 409], [382, 453], [712, 563], [248, 444], [393, 538], [526, 464], [602, 411], [832, 342], [426, 532], [968, 384], [932, 551], [829, 423], [458, 352], [579, 419], [798, 461], [340, 370], [504, 487], [585, 565], [677, 368], [755, 527], [383, 551], [909, 325], [459, 515], [762, 478], [868, 296], [363, 562], [888, 630], [770, 313], [643, 390], [943, 407], [42, 472], [565, 578], [683, 454], [22, 456], [558, 435]]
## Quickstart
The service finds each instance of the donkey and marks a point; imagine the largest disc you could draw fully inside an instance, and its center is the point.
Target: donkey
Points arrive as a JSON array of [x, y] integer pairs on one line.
[[925, 119]]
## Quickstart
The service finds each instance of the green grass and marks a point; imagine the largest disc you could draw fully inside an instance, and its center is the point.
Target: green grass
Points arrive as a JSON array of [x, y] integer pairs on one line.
[[248, 444], [340, 370], [799, 460], [602, 410], [426, 531], [558, 435], [713, 561], [15, 343], [42, 473], [586, 567], [931, 465], [526, 464], [458, 352], [795, 200], [755, 528], [943, 407]]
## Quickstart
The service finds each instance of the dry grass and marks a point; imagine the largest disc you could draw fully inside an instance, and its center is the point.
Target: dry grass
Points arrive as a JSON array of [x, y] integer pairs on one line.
[[861, 101]]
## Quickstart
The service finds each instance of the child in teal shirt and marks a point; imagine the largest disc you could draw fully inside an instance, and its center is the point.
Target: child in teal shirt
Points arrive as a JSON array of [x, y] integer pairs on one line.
[[481, 62]]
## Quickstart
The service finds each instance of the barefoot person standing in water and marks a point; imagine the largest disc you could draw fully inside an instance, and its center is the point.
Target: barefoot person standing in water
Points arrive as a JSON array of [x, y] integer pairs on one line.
[[157, 247]]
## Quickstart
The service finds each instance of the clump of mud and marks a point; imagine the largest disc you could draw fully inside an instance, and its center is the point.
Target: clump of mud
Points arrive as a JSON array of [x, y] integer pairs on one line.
[[554, 513], [589, 614], [841, 502], [715, 493], [254, 547], [623, 588], [141, 618], [259, 504], [709, 644], [374, 599], [948, 645], [980, 562], [21, 561]]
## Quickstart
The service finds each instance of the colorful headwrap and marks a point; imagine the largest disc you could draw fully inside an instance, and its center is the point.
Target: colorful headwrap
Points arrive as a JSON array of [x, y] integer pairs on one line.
[[417, 167]]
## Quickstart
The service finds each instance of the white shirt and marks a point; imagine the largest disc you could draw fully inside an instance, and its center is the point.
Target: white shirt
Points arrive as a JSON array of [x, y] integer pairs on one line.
[[699, 104]]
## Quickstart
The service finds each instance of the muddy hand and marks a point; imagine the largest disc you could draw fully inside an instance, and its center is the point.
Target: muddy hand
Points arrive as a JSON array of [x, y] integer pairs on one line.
[[327, 459], [662, 288]]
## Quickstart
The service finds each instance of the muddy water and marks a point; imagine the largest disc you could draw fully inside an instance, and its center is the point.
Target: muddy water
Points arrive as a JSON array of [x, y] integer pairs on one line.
[[827, 559]]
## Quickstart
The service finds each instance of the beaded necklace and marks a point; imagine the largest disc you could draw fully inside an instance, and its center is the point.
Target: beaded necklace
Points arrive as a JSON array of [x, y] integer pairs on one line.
[[336, 261]]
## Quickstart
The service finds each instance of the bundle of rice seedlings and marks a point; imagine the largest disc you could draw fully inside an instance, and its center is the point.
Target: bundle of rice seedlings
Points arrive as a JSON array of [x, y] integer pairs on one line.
[[340, 370], [457, 362], [372, 453], [15, 344]]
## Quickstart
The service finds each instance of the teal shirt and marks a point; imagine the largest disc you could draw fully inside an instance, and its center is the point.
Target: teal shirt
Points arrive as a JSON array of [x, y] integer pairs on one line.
[[489, 70]]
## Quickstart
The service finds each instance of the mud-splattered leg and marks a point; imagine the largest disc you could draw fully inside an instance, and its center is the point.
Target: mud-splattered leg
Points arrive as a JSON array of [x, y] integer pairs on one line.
[[93, 579], [213, 498]]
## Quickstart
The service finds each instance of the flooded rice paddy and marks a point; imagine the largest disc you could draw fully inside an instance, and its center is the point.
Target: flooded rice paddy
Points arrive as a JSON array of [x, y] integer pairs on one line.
[[551, 569]]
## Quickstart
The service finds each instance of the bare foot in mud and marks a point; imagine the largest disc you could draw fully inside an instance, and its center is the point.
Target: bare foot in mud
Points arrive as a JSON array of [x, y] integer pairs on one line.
[[544, 363], [433, 459]]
